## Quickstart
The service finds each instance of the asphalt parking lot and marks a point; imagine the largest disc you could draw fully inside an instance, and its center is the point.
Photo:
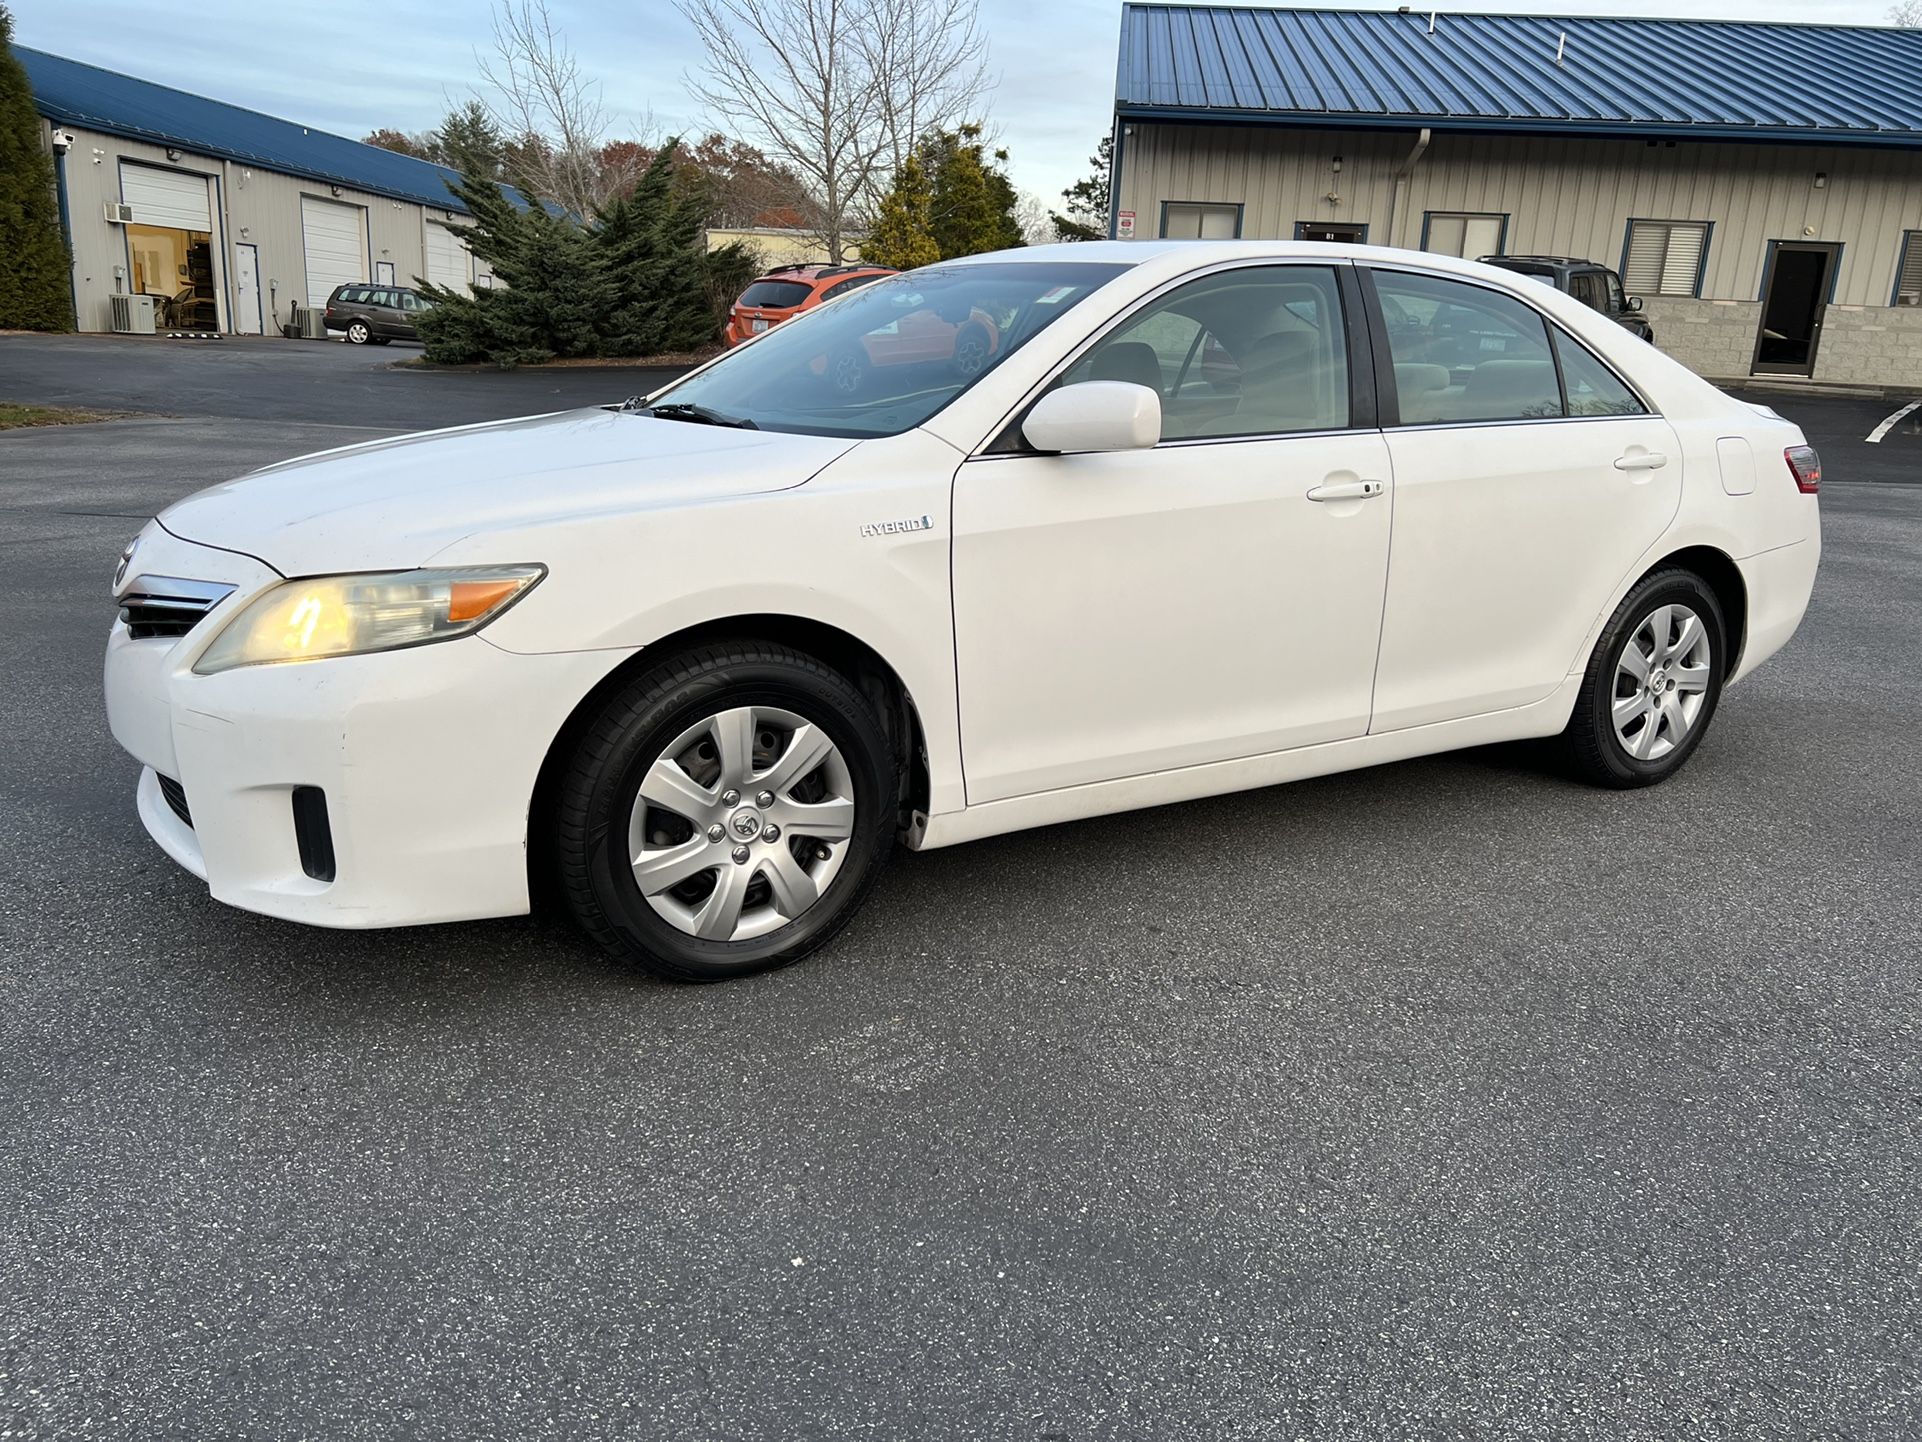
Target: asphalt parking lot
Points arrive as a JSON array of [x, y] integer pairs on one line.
[[1448, 1100]]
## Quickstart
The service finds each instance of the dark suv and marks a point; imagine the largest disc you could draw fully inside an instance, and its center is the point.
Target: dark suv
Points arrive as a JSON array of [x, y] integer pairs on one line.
[[377, 313], [1593, 284]]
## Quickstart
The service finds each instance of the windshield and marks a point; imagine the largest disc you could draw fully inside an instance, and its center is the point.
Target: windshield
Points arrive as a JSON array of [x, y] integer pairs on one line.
[[883, 358]]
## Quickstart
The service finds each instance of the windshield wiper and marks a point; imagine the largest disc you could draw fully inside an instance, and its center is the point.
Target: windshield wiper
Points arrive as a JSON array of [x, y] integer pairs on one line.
[[688, 411]]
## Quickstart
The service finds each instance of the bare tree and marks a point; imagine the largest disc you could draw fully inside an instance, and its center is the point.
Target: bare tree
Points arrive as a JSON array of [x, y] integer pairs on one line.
[[931, 60], [838, 89], [552, 114], [1906, 12]]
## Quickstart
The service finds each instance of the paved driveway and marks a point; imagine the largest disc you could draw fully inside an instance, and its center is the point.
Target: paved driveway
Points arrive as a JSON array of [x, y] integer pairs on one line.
[[1442, 1101]]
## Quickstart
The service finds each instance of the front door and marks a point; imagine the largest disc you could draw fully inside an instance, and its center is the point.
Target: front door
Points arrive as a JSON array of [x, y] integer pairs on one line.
[[247, 290], [1529, 479], [1794, 298], [1214, 597], [384, 272]]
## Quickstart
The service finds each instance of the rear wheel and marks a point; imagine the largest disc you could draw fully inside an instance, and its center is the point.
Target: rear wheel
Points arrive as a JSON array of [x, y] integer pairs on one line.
[[726, 813], [358, 333], [1652, 684]]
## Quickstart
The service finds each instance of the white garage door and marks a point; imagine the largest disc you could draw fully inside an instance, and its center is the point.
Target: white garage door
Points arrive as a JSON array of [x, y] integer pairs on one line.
[[173, 198], [336, 254], [446, 258]]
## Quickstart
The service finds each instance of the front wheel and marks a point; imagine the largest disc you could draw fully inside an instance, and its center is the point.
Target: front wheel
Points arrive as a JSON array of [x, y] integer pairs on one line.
[[726, 813], [1652, 684]]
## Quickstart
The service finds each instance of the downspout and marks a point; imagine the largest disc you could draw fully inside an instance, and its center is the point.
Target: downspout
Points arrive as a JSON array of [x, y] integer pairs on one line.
[[1401, 180], [1114, 177], [66, 230]]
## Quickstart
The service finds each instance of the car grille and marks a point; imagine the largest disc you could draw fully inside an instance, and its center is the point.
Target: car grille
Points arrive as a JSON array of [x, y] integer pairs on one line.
[[175, 796], [167, 605]]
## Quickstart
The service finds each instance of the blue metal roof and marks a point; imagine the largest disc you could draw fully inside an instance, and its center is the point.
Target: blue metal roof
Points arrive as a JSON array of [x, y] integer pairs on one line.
[[69, 93], [1717, 79]]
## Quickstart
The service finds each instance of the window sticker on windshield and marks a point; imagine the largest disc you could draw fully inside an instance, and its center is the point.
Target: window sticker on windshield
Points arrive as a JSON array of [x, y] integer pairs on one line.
[[1059, 293]]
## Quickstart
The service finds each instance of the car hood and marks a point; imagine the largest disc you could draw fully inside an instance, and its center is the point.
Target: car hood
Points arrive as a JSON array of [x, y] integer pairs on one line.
[[393, 504]]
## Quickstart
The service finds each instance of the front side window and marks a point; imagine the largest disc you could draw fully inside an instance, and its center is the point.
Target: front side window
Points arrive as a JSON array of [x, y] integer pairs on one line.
[[1196, 220], [1464, 234], [1463, 353], [1617, 303], [1259, 350], [892, 354], [1665, 257]]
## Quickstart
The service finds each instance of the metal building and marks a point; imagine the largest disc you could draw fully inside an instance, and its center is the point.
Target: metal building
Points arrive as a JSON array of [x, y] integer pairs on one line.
[[1758, 185], [186, 214]]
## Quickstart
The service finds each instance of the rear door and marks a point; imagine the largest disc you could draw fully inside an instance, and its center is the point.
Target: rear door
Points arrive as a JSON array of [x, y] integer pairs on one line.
[[1528, 479]]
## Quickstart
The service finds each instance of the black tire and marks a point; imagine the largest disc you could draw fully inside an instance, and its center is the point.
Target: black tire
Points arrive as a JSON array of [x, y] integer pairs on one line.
[[597, 793], [357, 333], [972, 349], [1594, 751]]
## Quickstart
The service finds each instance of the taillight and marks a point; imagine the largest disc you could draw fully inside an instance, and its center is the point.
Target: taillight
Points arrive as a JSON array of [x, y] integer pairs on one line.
[[1806, 467]]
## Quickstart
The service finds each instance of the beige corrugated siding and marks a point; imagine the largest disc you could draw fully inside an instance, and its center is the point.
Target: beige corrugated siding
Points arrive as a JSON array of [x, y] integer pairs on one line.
[[1563, 196]]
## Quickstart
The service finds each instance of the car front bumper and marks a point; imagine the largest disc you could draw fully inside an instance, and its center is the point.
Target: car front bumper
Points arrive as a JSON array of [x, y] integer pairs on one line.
[[426, 759]]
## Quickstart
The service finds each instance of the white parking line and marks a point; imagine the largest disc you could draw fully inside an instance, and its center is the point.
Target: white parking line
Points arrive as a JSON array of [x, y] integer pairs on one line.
[[1891, 423]]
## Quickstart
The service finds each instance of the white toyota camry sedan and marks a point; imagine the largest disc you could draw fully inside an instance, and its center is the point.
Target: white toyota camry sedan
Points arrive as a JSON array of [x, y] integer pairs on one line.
[[1000, 543]]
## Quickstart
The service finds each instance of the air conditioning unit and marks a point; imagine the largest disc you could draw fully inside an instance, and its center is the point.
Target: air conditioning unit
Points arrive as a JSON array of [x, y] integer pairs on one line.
[[313, 323], [132, 314], [119, 213]]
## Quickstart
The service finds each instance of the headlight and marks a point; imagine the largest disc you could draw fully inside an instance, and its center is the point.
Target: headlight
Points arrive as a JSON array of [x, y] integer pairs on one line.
[[351, 615]]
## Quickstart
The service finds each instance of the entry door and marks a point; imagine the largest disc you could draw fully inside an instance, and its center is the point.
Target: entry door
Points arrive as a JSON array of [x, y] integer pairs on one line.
[[384, 272], [247, 289], [1126, 613], [1795, 296], [1529, 480]]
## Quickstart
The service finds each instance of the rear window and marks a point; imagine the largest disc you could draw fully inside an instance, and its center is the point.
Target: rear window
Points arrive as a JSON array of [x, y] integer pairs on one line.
[[775, 293]]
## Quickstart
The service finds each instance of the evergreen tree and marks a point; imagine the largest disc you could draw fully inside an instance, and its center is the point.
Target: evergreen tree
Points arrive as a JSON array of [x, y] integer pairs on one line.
[[636, 280], [974, 201], [903, 233], [36, 273], [470, 142], [1088, 199]]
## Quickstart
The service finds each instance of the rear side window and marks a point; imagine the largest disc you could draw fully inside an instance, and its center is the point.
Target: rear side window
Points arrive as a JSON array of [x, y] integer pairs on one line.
[[855, 282], [1586, 286], [1593, 389], [355, 294], [775, 293], [1464, 354]]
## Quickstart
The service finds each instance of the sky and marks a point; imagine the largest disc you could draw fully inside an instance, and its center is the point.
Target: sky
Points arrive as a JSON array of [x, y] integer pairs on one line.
[[352, 66]]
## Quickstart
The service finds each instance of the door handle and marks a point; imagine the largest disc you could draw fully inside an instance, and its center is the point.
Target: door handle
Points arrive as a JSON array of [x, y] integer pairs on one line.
[[1646, 461], [1346, 491]]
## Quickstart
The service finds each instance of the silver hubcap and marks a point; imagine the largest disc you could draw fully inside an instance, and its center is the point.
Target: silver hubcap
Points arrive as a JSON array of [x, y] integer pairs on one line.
[[1661, 682], [742, 824]]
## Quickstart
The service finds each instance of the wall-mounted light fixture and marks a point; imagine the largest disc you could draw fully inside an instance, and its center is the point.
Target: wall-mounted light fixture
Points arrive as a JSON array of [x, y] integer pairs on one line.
[[1337, 165], [245, 231], [1821, 180], [172, 153], [335, 189], [98, 155]]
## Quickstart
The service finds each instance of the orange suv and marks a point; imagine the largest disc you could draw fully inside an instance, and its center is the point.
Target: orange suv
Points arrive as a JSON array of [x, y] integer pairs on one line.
[[788, 289]]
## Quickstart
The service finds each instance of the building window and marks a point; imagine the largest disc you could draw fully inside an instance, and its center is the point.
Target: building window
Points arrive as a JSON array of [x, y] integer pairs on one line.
[[1471, 236], [1908, 274], [1197, 220], [1665, 257]]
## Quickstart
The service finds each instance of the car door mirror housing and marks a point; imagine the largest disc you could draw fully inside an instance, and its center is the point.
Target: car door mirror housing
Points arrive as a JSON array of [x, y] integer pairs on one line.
[[1634, 302], [1095, 416]]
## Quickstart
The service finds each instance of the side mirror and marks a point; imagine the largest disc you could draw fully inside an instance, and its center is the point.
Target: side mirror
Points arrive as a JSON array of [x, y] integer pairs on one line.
[[1634, 302], [1095, 416]]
